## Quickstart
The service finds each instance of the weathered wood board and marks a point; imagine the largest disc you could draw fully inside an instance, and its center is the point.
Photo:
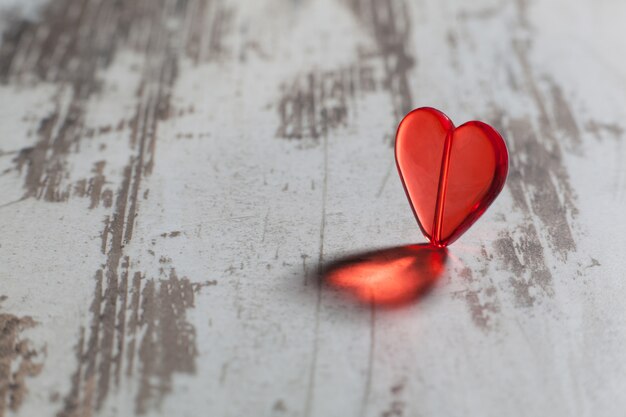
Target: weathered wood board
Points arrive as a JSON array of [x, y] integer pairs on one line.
[[177, 175]]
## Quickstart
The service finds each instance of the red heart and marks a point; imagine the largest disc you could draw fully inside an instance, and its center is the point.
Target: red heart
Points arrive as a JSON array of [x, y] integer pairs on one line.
[[450, 175]]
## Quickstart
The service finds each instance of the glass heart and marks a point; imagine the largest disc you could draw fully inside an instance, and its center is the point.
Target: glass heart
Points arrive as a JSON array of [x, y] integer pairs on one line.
[[450, 175]]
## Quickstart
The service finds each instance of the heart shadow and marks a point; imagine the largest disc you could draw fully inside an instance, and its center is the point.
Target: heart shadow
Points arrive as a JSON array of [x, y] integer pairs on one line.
[[390, 277]]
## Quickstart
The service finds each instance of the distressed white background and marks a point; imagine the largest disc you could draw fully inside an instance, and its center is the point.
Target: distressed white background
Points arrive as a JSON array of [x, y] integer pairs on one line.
[[174, 175]]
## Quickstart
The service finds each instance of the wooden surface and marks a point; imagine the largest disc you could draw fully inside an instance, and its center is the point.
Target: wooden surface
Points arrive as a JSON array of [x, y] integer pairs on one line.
[[177, 176]]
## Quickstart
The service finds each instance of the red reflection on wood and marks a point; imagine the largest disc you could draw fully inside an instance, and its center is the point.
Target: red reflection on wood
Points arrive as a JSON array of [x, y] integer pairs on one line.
[[388, 277]]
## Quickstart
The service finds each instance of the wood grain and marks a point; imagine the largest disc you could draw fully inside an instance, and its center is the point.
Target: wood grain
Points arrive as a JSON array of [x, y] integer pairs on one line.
[[178, 178]]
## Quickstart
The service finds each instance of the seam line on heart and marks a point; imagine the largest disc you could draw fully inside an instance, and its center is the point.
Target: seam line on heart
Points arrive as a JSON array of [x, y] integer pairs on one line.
[[441, 190]]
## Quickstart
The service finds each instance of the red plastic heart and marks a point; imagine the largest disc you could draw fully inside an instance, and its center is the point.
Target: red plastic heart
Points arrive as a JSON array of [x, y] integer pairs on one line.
[[450, 175]]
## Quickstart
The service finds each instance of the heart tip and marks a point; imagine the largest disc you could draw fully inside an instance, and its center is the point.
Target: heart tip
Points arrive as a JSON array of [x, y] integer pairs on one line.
[[438, 245]]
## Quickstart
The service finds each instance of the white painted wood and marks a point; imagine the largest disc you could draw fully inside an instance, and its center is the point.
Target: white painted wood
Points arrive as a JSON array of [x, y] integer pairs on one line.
[[232, 148]]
